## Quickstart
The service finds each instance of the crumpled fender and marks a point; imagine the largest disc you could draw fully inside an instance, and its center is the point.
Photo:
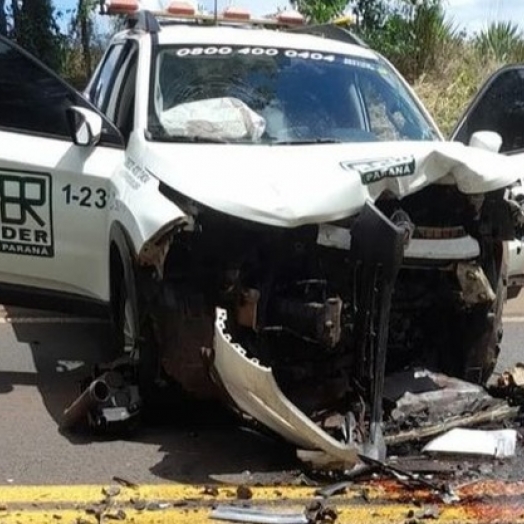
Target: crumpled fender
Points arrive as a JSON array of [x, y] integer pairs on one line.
[[144, 213], [254, 390]]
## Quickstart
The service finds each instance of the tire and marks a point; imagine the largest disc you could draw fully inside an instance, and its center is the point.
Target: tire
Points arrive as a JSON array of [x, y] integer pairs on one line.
[[482, 335], [133, 334]]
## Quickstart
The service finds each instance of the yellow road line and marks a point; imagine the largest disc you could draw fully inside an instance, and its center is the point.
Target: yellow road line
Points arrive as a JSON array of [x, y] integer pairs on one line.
[[374, 492], [381, 514], [385, 502], [162, 492]]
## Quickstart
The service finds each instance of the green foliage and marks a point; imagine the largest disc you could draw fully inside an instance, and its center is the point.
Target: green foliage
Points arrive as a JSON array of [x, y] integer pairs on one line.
[[370, 14], [411, 35], [501, 41], [37, 31], [320, 11]]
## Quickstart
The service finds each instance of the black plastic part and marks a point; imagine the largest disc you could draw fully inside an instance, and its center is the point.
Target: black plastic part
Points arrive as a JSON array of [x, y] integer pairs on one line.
[[144, 21], [330, 31], [378, 247]]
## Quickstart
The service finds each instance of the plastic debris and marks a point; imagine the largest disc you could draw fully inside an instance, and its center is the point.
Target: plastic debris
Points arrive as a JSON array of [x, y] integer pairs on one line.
[[498, 443]]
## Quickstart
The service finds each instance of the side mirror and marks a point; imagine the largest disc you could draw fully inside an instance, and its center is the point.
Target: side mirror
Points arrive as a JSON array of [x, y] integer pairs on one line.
[[85, 126], [487, 140]]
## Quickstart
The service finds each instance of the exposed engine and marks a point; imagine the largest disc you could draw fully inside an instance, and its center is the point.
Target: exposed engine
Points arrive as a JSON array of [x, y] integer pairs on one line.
[[316, 303]]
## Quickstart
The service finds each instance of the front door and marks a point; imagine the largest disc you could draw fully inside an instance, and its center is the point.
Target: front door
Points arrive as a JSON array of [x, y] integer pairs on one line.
[[54, 195]]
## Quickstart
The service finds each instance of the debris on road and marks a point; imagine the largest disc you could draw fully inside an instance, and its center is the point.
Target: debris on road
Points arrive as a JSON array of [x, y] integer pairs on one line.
[[514, 377], [111, 491], [257, 515], [424, 404], [318, 512], [244, 493], [510, 385], [110, 402], [413, 480], [125, 482], [334, 489], [97, 393], [498, 444]]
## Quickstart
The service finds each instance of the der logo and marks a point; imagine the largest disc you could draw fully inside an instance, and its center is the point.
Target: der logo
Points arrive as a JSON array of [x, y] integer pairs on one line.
[[25, 215]]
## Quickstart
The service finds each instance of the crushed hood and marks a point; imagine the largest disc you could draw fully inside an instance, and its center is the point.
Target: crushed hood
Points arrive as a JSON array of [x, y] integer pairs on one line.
[[293, 185]]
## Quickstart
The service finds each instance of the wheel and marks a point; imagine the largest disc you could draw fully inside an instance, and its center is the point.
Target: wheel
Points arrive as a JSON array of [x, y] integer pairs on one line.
[[133, 333], [482, 330]]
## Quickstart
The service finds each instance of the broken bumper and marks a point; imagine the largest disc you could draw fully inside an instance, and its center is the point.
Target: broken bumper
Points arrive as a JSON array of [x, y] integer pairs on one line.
[[254, 390]]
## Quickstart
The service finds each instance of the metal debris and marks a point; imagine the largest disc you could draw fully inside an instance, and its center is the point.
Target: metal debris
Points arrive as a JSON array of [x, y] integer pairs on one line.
[[425, 404], [256, 515], [413, 481], [110, 402], [97, 393], [334, 489], [498, 413]]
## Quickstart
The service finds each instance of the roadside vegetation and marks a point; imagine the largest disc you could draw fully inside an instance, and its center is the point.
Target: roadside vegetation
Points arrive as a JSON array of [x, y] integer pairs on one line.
[[443, 63]]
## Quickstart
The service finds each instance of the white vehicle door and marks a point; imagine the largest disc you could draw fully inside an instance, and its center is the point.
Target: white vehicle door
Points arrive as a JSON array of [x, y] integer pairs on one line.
[[499, 107], [54, 195]]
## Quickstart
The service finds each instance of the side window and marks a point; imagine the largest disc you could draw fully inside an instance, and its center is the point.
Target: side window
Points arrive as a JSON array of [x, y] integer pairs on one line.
[[120, 108], [100, 91], [499, 107], [125, 105], [33, 99]]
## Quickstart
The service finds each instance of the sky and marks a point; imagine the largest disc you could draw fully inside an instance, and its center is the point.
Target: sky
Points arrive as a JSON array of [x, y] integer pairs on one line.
[[473, 15]]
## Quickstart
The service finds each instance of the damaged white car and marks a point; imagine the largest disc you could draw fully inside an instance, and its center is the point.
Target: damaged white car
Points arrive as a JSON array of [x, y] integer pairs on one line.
[[270, 216]]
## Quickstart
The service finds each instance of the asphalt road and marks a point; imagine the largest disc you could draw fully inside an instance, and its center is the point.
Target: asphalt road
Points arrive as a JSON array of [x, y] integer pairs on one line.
[[42, 359]]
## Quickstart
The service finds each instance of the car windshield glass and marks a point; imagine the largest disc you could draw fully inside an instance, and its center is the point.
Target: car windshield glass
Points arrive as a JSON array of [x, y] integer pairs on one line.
[[279, 96]]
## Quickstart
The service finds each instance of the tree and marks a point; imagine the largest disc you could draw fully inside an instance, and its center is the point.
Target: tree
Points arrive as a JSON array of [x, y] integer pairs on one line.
[[370, 14], [36, 30], [84, 25], [320, 11], [3, 19]]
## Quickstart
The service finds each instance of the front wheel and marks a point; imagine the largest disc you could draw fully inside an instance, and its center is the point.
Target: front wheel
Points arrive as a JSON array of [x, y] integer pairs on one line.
[[133, 333]]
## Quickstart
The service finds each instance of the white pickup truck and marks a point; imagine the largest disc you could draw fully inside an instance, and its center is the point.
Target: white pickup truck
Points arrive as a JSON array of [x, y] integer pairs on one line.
[[267, 215]]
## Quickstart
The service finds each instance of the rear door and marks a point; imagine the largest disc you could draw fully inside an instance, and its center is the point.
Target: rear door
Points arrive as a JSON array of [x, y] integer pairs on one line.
[[54, 195]]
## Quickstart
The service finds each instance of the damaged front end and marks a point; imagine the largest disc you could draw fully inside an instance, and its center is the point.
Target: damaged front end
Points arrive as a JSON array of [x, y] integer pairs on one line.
[[298, 327]]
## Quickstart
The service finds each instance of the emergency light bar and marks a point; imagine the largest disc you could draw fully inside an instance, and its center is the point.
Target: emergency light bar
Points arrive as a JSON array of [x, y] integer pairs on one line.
[[185, 11]]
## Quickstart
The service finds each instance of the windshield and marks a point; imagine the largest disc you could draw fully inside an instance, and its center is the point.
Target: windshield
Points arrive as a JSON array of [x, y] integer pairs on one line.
[[278, 96]]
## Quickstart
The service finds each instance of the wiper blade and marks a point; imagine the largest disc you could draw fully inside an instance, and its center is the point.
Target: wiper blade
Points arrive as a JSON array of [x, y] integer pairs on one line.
[[307, 141], [194, 139]]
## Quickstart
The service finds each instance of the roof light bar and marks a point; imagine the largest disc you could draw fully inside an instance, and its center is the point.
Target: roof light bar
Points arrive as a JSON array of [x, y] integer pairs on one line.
[[121, 7], [236, 13], [185, 10], [290, 17], [181, 8]]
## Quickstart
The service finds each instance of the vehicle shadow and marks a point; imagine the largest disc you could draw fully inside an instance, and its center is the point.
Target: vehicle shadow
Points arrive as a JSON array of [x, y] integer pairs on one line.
[[192, 446]]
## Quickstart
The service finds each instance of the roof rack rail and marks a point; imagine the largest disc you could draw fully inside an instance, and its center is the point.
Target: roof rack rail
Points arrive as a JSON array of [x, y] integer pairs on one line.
[[332, 31]]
